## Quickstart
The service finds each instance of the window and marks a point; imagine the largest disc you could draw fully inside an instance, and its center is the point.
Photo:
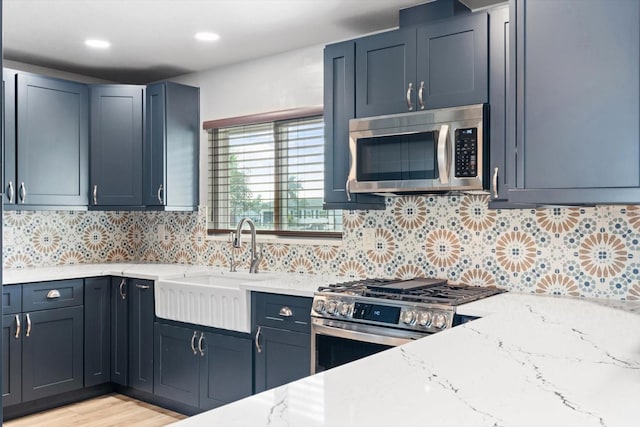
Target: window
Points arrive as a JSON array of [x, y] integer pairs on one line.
[[272, 173]]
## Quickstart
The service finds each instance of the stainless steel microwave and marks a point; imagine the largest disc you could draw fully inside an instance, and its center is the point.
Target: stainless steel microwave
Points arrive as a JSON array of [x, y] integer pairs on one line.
[[420, 152]]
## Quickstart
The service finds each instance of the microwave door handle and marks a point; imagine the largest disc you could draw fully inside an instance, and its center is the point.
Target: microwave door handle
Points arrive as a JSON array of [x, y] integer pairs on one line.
[[442, 154]]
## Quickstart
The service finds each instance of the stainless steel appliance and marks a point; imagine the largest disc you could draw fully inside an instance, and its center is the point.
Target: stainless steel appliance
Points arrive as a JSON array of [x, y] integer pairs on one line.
[[359, 318], [420, 152]]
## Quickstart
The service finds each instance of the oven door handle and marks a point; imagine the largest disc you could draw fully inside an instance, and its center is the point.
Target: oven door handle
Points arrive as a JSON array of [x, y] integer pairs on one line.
[[358, 336], [443, 170]]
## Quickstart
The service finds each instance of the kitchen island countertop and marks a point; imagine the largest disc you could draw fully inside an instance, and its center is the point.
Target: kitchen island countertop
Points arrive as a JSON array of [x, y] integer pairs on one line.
[[530, 361]]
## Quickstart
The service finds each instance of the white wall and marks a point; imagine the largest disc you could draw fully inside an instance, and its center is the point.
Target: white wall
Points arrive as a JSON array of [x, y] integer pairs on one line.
[[279, 82]]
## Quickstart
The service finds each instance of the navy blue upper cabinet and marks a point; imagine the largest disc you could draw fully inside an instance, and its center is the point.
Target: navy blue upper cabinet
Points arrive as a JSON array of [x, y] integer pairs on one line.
[[116, 145], [435, 65], [386, 73], [52, 142], [9, 136], [171, 146], [577, 70], [339, 108], [501, 106], [452, 62]]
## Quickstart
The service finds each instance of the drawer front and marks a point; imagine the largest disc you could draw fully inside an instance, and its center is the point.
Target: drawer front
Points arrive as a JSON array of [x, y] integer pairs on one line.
[[282, 311], [11, 299], [57, 294]]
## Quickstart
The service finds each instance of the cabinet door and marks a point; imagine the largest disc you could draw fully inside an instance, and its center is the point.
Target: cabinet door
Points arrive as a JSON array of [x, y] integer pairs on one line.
[[52, 359], [9, 136], [452, 62], [226, 369], [386, 73], [339, 108], [53, 141], [141, 312], [97, 328], [116, 145], [501, 169], [154, 145], [12, 358], [577, 126], [119, 331], [177, 364], [182, 146], [172, 148], [281, 357]]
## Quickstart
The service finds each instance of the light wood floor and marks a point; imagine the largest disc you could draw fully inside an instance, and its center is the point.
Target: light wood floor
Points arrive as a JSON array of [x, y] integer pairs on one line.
[[105, 411]]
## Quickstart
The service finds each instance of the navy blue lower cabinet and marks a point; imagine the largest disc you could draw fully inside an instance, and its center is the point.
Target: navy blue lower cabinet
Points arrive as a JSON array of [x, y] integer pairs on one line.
[[201, 369], [52, 352], [225, 369], [97, 339], [119, 331], [12, 358], [281, 356], [141, 316], [176, 370]]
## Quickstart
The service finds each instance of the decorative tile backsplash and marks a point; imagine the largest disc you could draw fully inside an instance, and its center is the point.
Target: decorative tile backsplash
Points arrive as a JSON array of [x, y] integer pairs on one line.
[[590, 252]]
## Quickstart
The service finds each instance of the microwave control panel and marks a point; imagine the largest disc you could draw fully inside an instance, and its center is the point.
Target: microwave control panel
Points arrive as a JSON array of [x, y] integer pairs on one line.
[[466, 154]]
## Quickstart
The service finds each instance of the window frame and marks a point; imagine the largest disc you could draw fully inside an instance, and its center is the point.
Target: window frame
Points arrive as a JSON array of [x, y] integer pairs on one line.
[[212, 126]]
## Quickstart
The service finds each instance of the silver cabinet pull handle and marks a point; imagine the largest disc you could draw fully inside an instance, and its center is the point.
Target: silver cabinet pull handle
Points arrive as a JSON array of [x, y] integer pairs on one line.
[[200, 341], [495, 183], [193, 342], [258, 339], [17, 335], [95, 194], [347, 191], [28, 325], [285, 312], [139, 286], [123, 293], [10, 192], [420, 95], [442, 154], [23, 193], [409, 103], [160, 190], [53, 294]]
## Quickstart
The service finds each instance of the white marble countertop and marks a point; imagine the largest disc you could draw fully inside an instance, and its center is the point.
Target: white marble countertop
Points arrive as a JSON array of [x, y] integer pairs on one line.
[[531, 361], [274, 282]]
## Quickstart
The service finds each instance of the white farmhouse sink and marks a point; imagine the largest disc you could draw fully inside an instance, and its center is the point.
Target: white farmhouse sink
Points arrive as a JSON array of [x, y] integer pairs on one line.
[[208, 300]]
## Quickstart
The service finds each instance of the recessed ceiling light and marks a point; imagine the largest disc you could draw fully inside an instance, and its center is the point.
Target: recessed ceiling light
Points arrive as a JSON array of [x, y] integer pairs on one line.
[[206, 36], [98, 44]]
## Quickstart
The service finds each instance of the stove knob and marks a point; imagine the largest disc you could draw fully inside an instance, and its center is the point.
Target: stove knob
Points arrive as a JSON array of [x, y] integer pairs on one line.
[[318, 306], [440, 321], [344, 308], [408, 317], [424, 319], [331, 307]]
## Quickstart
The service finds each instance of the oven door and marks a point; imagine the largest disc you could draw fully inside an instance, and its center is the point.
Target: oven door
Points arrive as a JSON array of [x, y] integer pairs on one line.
[[334, 342], [396, 160]]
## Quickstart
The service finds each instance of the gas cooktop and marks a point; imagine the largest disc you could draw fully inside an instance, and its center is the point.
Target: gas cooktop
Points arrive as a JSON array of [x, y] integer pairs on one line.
[[419, 304], [417, 290]]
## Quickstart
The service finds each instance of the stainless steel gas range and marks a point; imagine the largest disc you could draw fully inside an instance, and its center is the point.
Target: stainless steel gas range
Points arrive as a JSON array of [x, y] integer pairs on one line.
[[356, 319]]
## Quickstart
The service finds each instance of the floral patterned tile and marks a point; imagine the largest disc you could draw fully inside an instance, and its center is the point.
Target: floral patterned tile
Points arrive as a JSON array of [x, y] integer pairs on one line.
[[568, 251]]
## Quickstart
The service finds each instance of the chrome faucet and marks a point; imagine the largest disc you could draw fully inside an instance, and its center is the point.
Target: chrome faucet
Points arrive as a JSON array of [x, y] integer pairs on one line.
[[255, 257]]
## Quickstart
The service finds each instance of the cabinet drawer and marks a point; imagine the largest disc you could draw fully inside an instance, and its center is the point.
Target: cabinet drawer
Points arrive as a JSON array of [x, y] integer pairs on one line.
[[11, 299], [281, 311], [57, 294]]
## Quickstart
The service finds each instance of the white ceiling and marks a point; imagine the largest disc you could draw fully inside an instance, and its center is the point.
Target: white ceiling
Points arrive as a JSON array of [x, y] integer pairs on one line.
[[153, 39]]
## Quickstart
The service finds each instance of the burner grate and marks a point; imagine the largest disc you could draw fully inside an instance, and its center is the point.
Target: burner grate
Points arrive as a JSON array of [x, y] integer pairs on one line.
[[430, 291]]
